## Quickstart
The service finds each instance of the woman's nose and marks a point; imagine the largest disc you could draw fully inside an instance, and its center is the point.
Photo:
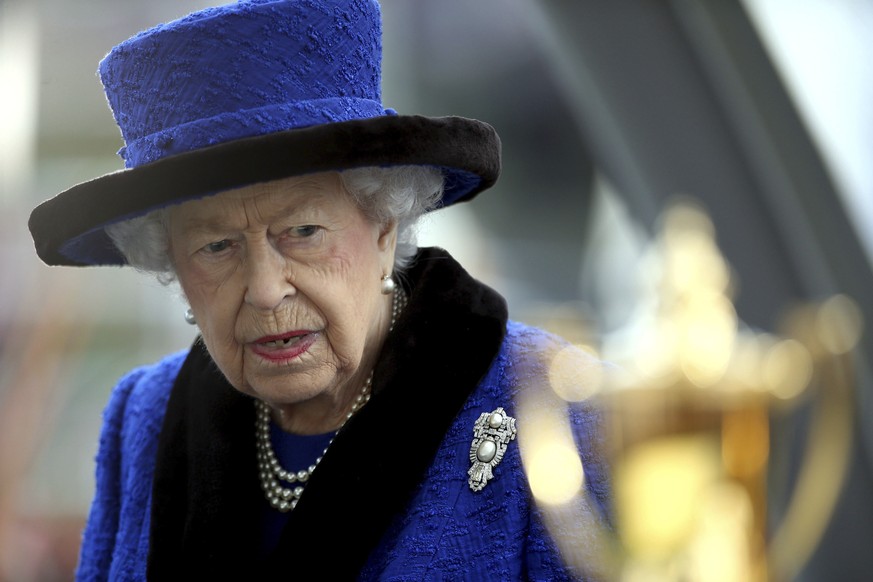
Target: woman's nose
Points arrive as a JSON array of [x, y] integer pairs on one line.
[[268, 277]]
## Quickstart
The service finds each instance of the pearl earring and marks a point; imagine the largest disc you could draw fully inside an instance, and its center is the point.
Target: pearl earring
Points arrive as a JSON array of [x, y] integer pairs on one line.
[[189, 317], [387, 285]]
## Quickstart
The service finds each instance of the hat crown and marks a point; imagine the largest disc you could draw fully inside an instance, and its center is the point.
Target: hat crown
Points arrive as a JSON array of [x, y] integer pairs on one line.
[[246, 93], [245, 69]]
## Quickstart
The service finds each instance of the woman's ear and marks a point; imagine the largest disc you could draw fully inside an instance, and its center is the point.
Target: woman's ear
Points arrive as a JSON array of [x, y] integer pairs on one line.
[[387, 243], [388, 236]]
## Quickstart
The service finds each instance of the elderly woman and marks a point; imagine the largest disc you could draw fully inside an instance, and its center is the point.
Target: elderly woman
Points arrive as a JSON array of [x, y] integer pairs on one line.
[[347, 408]]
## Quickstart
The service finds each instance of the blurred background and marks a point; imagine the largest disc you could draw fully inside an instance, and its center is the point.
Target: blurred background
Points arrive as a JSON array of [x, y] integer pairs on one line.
[[758, 109]]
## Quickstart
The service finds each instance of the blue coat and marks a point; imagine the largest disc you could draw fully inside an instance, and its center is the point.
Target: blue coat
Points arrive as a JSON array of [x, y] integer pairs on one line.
[[177, 491]]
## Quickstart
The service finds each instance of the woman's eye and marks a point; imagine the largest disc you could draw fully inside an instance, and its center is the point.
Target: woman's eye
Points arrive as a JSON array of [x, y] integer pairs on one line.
[[304, 231], [217, 247]]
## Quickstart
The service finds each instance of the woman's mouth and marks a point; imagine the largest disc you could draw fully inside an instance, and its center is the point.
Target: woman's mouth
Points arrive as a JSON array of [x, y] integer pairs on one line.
[[283, 347], [279, 343]]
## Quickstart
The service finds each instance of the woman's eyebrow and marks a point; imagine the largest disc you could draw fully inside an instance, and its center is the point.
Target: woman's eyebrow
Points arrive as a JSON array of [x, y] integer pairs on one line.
[[201, 223], [220, 221]]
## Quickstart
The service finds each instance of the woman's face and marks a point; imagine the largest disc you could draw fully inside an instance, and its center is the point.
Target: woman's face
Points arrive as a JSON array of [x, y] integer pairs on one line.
[[284, 279]]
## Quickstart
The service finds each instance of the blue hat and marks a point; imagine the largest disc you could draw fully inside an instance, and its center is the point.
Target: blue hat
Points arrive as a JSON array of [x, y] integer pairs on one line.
[[251, 92]]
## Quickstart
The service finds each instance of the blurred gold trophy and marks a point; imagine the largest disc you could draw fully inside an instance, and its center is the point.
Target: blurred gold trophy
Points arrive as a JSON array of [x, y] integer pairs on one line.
[[687, 416]]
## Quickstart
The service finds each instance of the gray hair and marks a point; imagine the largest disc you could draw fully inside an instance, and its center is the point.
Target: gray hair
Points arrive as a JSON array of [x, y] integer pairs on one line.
[[400, 194]]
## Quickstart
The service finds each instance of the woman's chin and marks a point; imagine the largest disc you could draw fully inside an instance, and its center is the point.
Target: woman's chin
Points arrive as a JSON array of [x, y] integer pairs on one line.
[[286, 383], [283, 392]]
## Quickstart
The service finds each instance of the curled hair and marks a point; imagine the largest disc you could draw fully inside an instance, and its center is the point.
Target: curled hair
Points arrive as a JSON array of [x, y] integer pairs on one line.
[[145, 243], [399, 194]]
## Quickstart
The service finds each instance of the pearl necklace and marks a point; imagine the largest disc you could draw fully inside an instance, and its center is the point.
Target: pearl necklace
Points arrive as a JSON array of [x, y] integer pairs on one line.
[[272, 474]]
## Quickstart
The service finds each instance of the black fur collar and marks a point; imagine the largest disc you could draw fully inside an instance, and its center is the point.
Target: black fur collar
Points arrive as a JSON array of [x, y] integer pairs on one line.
[[206, 502]]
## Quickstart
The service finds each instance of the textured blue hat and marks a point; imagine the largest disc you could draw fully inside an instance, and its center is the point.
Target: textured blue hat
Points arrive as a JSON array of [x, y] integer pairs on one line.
[[251, 92]]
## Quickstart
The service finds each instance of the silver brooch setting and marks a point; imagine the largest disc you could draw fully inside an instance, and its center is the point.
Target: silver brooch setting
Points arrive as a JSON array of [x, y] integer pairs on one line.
[[492, 433]]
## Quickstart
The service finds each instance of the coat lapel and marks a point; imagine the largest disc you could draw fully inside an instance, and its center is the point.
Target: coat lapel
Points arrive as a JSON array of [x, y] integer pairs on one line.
[[207, 501], [205, 495]]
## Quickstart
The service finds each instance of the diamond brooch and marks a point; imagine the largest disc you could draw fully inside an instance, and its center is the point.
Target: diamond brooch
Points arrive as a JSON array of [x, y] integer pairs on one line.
[[492, 433]]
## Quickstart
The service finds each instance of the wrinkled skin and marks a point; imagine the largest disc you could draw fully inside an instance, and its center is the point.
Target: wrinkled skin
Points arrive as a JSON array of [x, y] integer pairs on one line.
[[297, 259]]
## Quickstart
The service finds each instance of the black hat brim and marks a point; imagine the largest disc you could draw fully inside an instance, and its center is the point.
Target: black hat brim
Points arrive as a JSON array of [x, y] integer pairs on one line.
[[69, 228]]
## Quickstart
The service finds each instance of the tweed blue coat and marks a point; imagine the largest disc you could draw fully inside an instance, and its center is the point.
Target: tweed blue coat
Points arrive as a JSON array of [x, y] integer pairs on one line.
[[177, 492]]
